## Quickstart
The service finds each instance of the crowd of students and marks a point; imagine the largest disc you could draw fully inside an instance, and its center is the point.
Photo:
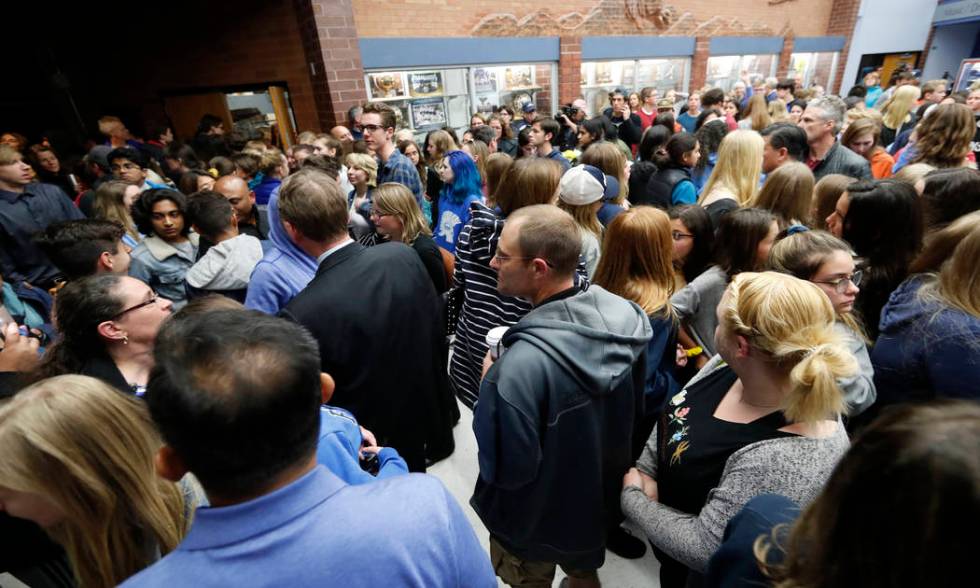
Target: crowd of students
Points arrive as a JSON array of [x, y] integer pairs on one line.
[[748, 324]]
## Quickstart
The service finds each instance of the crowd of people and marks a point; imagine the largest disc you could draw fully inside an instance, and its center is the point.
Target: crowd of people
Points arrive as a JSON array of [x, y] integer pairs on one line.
[[745, 325]]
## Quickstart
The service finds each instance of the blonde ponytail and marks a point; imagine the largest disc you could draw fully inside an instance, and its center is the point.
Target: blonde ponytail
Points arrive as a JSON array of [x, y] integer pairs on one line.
[[792, 321]]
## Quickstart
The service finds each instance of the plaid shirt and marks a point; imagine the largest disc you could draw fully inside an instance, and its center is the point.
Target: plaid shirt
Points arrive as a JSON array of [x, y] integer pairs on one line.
[[399, 169]]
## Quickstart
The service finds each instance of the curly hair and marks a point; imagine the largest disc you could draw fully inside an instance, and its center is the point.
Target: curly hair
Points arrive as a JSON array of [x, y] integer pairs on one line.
[[944, 136]]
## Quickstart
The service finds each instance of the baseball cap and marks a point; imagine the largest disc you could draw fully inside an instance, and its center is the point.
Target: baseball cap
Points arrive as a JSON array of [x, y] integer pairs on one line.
[[665, 103], [583, 184], [529, 107]]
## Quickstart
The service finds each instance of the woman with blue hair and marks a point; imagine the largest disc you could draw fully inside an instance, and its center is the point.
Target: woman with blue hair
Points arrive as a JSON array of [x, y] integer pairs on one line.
[[463, 186]]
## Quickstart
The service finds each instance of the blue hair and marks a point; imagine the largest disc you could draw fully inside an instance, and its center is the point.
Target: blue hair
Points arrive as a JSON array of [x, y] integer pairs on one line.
[[466, 178]]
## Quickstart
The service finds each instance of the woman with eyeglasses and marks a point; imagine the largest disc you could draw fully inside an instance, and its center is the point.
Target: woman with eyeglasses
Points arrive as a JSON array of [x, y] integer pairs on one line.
[[882, 220], [397, 217], [694, 242], [108, 324], [828, 262]]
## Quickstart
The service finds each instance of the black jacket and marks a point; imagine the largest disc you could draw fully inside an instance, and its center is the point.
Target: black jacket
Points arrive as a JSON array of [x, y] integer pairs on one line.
[[841, 160], [630, 129], [376, 315], [660, 186]]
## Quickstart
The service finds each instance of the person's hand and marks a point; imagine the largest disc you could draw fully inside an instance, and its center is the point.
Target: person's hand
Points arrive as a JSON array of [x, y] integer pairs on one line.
[[681, 360], [649, 486], [632, 478], [487, 362], [367, 439], [19, 353]]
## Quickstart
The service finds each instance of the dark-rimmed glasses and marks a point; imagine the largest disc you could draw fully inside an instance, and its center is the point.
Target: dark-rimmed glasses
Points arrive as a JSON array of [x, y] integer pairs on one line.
[[840, 284], [152, 300]]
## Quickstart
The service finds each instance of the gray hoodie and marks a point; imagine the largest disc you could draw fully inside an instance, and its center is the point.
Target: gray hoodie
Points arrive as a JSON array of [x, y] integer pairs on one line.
[[554, 426], [226, 266]]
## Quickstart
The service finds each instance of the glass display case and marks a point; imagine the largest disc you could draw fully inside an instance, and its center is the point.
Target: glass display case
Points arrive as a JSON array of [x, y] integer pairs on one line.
[[725, 70], [601, 77], [814, 68], [431, 98]]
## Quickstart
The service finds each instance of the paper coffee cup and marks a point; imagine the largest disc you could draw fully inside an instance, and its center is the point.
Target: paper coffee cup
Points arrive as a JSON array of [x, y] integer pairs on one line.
[[495, 337]]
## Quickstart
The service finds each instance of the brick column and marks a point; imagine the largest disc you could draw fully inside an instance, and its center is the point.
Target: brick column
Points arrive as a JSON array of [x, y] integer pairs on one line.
[[843, 18], [569, 69], [785, 56], [332, 53], [699, 63]]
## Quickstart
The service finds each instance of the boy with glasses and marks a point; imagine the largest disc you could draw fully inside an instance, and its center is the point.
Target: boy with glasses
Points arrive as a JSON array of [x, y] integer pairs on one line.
[[378, 123]]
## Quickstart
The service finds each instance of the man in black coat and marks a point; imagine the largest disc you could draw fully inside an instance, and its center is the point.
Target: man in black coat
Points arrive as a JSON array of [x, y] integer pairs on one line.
[[376, 316]]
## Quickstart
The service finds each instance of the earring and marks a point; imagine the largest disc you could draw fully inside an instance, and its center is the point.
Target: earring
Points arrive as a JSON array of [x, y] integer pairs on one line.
[[125, 339]]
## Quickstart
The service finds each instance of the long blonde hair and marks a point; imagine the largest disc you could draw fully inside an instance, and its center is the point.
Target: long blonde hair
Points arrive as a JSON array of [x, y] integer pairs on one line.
[[584, 215], [787, 193], [611, 160], [778, 112], [739, 166], [792, 323], [636, 261], [109, 205], [397, 200], [758, 112], [89, 449], [896, 111]]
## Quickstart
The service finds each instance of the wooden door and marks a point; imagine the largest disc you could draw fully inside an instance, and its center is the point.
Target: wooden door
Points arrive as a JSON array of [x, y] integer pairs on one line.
[[186, 111]]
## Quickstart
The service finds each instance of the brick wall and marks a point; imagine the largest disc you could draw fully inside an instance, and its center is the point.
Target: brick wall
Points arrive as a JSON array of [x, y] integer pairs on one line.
[[843, 17], [785, 56], [453, 18], [569, 69], [699, 63], [341, 58]]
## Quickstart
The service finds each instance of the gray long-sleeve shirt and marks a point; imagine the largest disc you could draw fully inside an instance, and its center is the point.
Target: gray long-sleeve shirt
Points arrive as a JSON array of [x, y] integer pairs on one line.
[[795, 467], [696, 303]]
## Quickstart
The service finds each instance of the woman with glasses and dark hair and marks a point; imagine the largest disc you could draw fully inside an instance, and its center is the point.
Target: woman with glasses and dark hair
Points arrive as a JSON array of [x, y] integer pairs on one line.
[[828, 262], [108, 324], [882, 220], [169, 249]]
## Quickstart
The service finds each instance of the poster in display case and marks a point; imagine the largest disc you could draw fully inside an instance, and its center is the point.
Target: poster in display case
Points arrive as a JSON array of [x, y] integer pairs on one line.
[[518, 77], [386, 85], [430, 113], [425, 83], [484, 80]]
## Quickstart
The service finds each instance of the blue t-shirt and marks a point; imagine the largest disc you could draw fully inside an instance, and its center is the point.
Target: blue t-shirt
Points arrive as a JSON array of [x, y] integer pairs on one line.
[[684, 193], [687, 121], [452, 218]]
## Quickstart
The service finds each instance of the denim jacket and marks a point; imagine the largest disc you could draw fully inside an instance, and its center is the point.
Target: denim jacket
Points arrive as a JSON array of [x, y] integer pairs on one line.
[[162, 266]]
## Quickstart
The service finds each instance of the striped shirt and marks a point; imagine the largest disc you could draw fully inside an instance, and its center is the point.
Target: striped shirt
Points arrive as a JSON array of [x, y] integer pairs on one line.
[[483, 306]]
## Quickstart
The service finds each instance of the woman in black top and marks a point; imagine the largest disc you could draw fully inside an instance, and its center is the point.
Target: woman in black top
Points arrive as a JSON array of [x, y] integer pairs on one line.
[[397, 217]]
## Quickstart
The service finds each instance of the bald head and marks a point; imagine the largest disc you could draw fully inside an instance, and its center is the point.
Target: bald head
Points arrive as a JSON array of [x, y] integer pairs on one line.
[[236, 190], [342, 134]]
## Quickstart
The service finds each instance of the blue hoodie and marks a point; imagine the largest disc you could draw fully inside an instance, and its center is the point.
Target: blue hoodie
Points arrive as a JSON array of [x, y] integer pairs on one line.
[[284, 270], [925, 349]]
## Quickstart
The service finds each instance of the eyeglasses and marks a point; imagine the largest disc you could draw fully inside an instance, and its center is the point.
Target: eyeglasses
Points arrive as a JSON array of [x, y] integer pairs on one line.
[[840, 284], [139, 306], [502, 258], [378, 213], [372, 128], [677, 235]]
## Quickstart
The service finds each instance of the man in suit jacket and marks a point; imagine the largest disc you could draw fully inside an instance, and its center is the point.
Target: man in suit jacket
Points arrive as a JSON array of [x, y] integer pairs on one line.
[[376, 316]]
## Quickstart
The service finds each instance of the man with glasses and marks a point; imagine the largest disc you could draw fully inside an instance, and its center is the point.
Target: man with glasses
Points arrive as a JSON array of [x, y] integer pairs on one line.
[[129, 165], [378, 123], [557, 408]]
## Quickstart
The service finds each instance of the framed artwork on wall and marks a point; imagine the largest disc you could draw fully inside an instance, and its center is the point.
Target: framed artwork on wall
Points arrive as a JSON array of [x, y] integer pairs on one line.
[[386, 85], [425, 83]]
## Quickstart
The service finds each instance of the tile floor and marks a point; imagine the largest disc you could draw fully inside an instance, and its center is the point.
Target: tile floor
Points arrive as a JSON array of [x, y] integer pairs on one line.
[[459, 473]]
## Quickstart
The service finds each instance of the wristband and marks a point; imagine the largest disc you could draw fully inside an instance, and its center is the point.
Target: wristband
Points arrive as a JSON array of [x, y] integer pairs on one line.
[[694, 351]]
